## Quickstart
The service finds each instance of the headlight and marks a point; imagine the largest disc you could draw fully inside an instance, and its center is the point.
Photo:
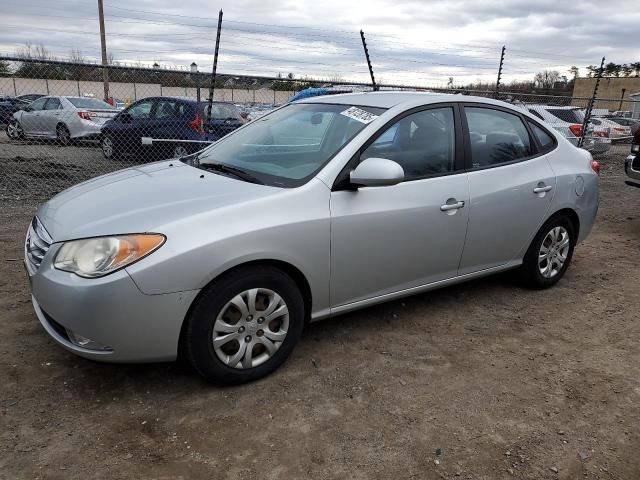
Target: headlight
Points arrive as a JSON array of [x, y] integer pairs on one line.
[[96, 257]]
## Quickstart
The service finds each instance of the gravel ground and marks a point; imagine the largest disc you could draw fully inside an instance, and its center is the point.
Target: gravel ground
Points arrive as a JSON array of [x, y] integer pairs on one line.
[[479, 381]]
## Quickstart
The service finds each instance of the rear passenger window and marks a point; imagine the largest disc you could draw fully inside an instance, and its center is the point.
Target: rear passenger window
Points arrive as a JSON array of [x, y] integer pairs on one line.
[[545, 140], [496, 137]]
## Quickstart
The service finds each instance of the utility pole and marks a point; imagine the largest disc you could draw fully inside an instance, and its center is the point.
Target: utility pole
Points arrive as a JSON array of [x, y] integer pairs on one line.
[[215, 67], [103, 47], [622, 98], [366, 54], [500, 72]]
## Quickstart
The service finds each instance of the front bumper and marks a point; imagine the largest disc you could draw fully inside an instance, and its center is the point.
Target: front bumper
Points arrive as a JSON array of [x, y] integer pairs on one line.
[[111, 310]]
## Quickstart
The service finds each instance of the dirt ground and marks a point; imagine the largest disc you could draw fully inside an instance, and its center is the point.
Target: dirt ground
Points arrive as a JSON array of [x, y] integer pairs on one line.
[[478, 381]]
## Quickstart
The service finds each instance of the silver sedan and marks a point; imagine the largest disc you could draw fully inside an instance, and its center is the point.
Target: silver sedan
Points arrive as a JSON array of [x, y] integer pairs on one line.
[[321, 207], [61, 118]]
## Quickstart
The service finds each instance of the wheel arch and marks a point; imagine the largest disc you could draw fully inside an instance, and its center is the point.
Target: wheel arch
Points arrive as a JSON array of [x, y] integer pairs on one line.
[[573, 217], [294, 272]]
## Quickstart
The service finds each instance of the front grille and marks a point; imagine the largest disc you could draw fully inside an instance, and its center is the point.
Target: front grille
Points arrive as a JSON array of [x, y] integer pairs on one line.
[[636, 163], [37, 243]]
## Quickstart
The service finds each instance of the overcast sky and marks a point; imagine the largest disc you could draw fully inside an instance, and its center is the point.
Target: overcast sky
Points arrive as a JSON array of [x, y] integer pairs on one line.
[[410, 41]]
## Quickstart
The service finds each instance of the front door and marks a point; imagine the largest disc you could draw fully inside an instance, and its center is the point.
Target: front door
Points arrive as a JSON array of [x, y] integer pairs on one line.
[[387, 239], [30, 119]]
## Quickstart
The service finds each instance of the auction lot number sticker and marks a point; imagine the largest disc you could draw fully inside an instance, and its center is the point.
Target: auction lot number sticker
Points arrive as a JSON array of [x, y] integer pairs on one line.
[[360, 115]]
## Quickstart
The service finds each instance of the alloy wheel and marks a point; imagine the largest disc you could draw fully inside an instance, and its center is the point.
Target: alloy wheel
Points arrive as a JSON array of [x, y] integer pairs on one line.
[[554, 251], [250, 328], [180, 151], [14, 130], [64, 137], [107, 147]]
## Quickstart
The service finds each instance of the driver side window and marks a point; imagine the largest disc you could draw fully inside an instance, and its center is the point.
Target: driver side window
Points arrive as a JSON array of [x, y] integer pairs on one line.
[[38, 104], [140, 110], [422, 143]]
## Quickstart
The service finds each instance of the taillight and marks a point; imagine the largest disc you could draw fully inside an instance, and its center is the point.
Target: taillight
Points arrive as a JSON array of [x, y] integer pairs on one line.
[[617, 129], [601, 133], [595, 166], [576, 130], [86, 115], [196, 124]]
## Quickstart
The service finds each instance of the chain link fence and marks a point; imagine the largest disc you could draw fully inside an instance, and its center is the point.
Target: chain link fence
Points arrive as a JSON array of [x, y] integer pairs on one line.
[[57, 130]]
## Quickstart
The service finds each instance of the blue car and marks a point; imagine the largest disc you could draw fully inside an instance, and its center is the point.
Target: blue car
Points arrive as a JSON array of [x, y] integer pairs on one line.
[[155, 128]]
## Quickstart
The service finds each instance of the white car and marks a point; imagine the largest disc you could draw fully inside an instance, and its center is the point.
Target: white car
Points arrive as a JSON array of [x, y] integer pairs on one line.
[[61, 118], [568, 121], [616, 131]]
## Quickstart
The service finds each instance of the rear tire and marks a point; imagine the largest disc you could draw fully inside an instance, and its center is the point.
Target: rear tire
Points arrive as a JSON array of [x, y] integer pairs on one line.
[[63, 136], [549, 254], [249, 344], [180, 151]]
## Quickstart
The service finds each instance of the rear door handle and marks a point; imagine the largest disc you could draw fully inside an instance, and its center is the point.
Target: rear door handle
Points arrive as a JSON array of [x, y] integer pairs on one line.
[[546, 188], [451, 206]]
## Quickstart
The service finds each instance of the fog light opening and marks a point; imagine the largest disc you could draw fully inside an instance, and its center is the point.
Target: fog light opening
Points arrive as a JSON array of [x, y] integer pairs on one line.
[[86, 343]]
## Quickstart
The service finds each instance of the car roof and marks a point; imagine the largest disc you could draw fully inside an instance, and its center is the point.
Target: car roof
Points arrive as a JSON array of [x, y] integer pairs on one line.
[[392, 99]]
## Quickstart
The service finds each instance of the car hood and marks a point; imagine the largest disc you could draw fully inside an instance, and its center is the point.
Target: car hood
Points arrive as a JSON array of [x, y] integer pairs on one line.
[[142, 199]]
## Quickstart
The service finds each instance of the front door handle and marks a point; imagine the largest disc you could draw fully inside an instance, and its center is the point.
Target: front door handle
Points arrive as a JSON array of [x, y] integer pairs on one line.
[[542, 189], [451, 206]]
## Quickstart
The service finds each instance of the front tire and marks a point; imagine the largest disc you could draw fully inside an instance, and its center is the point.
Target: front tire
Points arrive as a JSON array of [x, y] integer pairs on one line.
[[14, 130], [244, 325], [550, 253]]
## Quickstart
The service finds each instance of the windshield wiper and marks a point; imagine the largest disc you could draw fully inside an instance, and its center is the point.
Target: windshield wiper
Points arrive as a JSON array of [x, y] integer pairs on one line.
[[224, 168]]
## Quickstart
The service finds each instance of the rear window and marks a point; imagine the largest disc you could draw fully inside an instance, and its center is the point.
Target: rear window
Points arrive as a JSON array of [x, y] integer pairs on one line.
[[80, 102], [221, 111], [567, 115]]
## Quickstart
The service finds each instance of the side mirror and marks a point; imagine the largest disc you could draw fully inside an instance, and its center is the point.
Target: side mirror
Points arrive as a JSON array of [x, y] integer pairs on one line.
[[244, 115], [376, 172], [27, 109], [124, 117]]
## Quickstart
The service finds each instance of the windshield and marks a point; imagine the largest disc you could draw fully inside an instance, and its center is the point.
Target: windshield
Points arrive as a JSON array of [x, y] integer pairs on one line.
[[220, 111], [80, 102], [571, 115], [287, 147]]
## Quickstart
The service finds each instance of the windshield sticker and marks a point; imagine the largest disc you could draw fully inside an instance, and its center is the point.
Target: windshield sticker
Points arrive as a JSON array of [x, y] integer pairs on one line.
[[360, 115]]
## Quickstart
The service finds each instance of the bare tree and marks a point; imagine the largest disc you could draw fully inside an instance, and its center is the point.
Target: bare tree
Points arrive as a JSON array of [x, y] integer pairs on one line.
[[575, 71], [75, 56], [546, 78], [5, 70]]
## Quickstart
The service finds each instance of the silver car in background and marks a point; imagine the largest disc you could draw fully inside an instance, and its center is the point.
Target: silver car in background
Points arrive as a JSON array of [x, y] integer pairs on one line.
[[63, 118], [568, 122], [318, 208]]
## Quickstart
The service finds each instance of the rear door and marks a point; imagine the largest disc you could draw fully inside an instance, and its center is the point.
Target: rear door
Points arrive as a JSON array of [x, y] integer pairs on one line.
[[170, 120], [511, 186], [51, 116]]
